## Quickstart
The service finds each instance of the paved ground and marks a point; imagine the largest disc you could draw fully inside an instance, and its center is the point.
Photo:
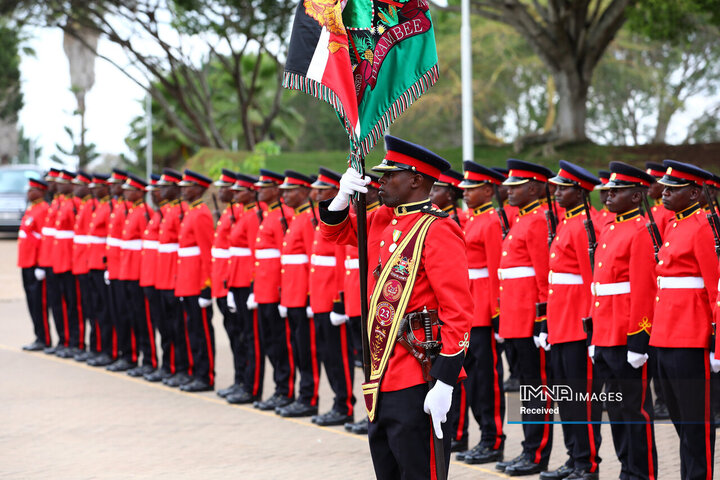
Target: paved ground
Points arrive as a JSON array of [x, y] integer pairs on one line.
[[65, 420]]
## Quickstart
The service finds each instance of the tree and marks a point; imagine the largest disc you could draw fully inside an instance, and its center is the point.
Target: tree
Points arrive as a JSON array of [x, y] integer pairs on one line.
[[11, 100]]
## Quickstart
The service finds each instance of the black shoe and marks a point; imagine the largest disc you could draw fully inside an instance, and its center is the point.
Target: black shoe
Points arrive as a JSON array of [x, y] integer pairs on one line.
[[234, 388], [361, 427], [525, 467], [83, 356], [582, 475], [120, 365], [178, 380], [50, 350], [661, 411], [297, 409], [331, 418], [512, 385], [102, 360], [502, 466], [483, 455], [158, 375], [240, 398], [358, 364], [562, 472], [140, 370], [716, 419], [273, 402], [35, 346], [67, 352], [459, 445], [197, 385]]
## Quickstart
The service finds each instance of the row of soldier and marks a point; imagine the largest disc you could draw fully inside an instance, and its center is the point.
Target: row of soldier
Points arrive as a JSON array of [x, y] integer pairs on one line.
[[287, 292]]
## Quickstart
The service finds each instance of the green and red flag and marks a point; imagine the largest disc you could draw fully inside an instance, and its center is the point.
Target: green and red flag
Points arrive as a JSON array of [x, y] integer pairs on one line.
[[370, 59]]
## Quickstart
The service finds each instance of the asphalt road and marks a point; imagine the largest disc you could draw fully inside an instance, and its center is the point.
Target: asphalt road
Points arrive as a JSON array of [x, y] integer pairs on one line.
[[64, 420]]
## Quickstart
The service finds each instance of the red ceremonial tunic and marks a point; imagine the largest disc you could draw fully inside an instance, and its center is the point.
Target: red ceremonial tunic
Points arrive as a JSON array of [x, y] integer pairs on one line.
[[97, 234], [662, 217], [114, 238], [441, 284], [150, 245], [81, 240], [623, 303], [221, 251], [570, 277], [687, 283], [268, 243], [131, 246], [351, 283], [603, 217], [295, 258], [62, 251], [30, 234], [45, 255], [483, 238], [195, 243], [523, 272], [327, 269], [242, 243], [166, 261]]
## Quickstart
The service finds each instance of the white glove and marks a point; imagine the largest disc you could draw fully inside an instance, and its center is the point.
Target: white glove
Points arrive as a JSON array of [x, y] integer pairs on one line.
[[282, 309], [591, 353], [309, 312], [106, 277], [350, 183], [39, 274], [714, 363], [232, 306], [251, 303], [437, 404], [498, 338], [204, 302], [542, 338], [536, 340], [338, 319], [636, 360]]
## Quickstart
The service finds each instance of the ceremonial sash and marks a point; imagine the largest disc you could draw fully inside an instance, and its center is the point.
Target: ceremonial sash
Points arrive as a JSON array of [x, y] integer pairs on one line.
[[388, 303]]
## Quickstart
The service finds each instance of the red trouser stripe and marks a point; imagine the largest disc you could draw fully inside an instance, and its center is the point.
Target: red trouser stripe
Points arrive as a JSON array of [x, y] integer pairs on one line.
[[191, 363], [151, 334], [114, 343], [291, 360], [81, 317], [98, 337], [133, 345], [66, 326], [708, 417], [314, 360], [258, 359], [346, 367], [46, 323], [648, 424], [497, 397], [433, 469], [462, 411], [208, 340], [172, 358], [591, 431], [548, 406]]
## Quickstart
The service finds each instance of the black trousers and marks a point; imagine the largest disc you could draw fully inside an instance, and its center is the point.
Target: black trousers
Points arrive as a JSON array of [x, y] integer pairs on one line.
[[233, 327], [202, 339], [533, 367], [355, 327], [337, 355], [146, 330], [159, 321], [70, 299], [684, 376], [400, 438], [482, 391], [652, 374], [36, 296], [135, 322], [631, 420], [278, 345], [121, 311], [101, 329], [252, 336], [306, 354], [179, 347], [85, 310], [56, 306], [512, 359], [571, 366]]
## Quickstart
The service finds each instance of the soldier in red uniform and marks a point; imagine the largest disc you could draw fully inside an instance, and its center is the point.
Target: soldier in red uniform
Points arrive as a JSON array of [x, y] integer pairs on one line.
[[248, 353], [569, 298], [523, 275], [662, 215], [682, 324], [140, 330], [62, 264], [446, 194], [101, 327], [622, 313], [414, 244], [194, 282], [326, 284], [603, 217], [29, 237], [220, 270], [484, 386], [294, 289], [265, 294], [80, 254]]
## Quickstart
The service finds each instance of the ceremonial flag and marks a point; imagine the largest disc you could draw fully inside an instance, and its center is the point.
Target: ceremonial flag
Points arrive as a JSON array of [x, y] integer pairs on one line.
[[370, 59]]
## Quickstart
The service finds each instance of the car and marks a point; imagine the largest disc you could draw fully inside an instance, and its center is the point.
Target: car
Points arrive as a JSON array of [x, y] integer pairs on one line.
[[13, 189]]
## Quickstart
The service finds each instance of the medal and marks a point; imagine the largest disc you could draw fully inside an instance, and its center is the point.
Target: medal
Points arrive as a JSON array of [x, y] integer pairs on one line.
[[396, 236]]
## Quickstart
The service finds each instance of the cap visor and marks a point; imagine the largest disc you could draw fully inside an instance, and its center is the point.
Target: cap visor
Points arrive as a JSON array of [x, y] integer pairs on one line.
[[385, 168], [515, 181], [613, 184], [673, 182], [220, 183]]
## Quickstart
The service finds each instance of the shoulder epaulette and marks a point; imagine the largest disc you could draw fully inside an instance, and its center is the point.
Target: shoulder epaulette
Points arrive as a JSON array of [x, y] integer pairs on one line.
[[436, 212]]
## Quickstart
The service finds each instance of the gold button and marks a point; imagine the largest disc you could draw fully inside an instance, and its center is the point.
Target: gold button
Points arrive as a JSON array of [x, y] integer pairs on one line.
[[315, 242], [261, 227], [213, 259], [660, 262], [501, 291], [282, 270], [612, 227], [347, 257], [284, 244], [599, 264], [382, 243], [604, 245], [550, 292], [312, 270], [667, 244], [504, 254], [510, 237], [257, 239], [288, 231], [517, 220], [257, 264], [564, 222], [674, 224], [394, 221], [657, 299], [552, 255], [597, 304], [347, 273]]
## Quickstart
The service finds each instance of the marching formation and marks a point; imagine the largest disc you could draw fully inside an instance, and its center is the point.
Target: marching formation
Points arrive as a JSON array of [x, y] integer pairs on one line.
[[598, 302]]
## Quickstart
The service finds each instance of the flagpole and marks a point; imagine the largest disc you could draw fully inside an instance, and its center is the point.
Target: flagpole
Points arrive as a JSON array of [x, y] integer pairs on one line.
[[466, 76], [361, 212]]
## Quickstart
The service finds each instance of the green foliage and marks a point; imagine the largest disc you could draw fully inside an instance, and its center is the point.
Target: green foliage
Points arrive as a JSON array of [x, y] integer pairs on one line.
[[11, 98], [672, 20], [78, 153], [24, 148]]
